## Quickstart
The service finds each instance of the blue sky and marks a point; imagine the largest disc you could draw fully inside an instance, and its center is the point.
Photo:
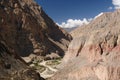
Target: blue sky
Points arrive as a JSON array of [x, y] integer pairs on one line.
[[62, 10]]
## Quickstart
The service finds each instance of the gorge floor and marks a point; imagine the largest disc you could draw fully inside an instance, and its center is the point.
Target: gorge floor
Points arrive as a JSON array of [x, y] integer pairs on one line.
[[47, 68]]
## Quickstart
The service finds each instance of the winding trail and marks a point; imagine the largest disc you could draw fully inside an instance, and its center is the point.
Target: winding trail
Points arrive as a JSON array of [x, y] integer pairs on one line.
[[49, 72]]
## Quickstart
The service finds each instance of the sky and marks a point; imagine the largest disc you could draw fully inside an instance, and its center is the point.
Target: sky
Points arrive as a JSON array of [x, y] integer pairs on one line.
[[72, 13]]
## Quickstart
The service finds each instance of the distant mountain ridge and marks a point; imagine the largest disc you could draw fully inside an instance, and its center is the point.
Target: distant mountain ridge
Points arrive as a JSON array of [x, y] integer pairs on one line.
[[70, 29]]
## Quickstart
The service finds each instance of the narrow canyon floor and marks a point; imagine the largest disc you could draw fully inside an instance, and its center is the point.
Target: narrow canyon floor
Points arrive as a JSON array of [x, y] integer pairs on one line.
[[46, 68]]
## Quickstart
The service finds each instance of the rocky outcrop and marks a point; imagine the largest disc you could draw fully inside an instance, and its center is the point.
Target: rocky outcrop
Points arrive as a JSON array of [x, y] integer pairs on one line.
[[94, 53], [26, 28], [12, 67]]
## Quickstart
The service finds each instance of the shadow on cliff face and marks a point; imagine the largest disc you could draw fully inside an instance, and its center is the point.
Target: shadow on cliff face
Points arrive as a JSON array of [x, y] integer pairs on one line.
[[54, 48], [12, 67], [55, 32], [23, 18]]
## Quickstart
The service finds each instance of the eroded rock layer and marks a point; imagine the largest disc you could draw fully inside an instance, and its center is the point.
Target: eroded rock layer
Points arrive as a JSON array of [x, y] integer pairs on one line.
[[94, 53]]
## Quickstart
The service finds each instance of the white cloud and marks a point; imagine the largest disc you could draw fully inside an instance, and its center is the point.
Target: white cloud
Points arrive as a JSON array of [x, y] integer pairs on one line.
[[110, 8], [116, 4], [70, 23]]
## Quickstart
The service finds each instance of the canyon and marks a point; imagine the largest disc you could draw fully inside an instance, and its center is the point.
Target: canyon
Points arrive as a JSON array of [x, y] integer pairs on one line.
[[34, 47], [27, 33]]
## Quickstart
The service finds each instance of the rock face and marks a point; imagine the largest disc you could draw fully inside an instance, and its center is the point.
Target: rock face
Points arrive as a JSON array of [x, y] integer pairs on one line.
[[94, 53], [12, 67], [26, 28]]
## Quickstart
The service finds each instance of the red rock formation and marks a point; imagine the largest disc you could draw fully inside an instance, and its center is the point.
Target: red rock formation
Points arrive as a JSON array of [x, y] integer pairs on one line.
[[27, 29], [94, 53]]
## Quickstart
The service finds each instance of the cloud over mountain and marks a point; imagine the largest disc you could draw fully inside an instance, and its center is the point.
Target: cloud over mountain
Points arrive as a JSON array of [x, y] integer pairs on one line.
[[70, 23], [116, 4]]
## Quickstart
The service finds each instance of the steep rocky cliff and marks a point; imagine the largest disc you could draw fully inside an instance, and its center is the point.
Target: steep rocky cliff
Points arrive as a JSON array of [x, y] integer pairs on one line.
[[94, 53], [26, 28], [12, 67]]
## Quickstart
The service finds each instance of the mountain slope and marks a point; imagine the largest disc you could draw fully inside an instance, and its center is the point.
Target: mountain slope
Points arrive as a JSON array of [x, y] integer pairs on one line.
[[94, 53], [12, 67], [27, 29]]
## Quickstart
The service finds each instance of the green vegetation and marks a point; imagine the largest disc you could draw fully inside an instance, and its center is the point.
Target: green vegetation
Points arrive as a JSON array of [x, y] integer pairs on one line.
[[39, 68], [53, 62]]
